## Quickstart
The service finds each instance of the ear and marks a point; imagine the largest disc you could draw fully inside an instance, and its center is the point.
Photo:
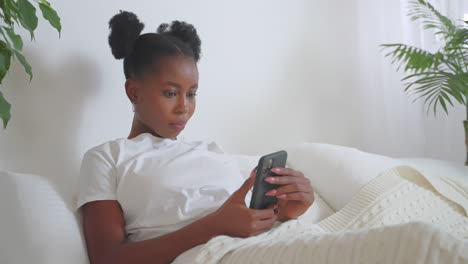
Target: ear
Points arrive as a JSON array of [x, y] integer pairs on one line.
[[132, 88]]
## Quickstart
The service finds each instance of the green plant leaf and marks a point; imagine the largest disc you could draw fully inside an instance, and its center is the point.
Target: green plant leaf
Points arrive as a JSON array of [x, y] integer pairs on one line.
[[5, 60], [4, 110], [435, 88], [431, 18], [446, 97], [426, 89], [415, 59], [51, 15], [27, 16], [438, 77], [425, 77], [442, 102], [16, 39], [13, 11], [13, 6], [458, 96], [5, 39], [434, 105], [458, 83], [25, 63], [430, 94], [6, 13], [433, 102]]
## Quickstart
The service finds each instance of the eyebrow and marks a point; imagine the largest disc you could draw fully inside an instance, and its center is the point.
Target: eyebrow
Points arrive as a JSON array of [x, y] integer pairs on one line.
[[178, 86]]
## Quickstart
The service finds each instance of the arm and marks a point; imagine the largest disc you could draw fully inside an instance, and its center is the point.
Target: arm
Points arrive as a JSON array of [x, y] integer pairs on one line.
[[105, 237], [104, 230]]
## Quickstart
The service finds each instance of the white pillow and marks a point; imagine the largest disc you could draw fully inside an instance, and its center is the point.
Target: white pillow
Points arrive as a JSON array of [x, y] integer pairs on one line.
[[437, 167], [317, 212], [37, 225], [336, 172]]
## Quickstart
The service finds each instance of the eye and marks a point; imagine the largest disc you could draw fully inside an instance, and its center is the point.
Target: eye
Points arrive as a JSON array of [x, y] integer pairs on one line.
[[192, 94], [169, 93]]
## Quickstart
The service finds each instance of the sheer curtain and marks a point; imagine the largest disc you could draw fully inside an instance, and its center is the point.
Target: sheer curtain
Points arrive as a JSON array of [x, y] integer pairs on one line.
[[387, 120]]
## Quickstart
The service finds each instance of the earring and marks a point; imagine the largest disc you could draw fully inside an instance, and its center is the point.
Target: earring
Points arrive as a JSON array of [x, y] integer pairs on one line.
[[133, 108]]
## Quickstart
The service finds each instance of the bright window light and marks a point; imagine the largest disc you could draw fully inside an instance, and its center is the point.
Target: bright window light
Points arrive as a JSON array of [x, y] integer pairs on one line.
[[465, 17]]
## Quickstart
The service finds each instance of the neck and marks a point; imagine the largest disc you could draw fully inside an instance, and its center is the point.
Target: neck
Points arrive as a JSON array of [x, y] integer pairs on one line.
[[139, 128]]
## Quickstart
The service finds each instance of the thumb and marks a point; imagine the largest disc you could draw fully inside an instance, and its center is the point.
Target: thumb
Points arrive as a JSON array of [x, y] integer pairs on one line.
[[246, 186]]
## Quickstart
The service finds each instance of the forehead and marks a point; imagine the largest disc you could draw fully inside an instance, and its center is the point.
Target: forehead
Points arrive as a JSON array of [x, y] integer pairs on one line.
[[178, 69]]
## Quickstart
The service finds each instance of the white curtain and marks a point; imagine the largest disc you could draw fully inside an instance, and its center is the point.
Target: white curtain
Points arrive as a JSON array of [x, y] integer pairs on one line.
[[390, 124]]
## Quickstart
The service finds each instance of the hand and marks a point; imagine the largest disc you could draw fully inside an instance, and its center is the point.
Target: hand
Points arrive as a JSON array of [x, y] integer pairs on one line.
[[295, 195], [233, 218]]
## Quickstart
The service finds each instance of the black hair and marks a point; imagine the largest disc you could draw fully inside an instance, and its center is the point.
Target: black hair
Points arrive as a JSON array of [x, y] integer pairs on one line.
[[140, 52]]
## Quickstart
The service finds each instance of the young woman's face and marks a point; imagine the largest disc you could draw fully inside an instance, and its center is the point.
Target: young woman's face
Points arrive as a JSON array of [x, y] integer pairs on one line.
[[166, 98]]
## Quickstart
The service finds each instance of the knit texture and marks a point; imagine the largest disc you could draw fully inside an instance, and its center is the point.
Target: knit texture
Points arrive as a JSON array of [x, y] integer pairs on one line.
[[399, 217], [402, 195]]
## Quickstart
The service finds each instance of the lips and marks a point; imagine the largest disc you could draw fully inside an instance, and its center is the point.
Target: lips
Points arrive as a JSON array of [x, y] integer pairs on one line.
[[179, 126]]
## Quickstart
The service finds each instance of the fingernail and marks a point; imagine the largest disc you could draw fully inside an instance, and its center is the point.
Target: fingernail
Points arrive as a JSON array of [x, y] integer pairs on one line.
[[276, 169], [281, 196], [271, 193], [270, 179]]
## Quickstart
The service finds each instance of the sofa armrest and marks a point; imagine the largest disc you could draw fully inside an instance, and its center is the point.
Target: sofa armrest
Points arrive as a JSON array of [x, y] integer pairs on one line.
[[37, 225]]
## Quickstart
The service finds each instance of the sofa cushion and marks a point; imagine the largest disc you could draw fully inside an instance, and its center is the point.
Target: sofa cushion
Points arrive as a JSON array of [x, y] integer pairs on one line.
[[37, 225], [337, 172]]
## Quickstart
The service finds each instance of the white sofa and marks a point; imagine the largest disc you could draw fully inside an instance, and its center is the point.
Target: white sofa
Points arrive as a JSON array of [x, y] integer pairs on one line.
[[39, 226]]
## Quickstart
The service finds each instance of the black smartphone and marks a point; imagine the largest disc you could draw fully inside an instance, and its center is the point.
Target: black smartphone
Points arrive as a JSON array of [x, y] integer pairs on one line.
[[265, 164]]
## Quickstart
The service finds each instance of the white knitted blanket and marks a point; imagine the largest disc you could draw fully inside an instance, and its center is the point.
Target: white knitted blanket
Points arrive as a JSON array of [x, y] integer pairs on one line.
[[399, 217]]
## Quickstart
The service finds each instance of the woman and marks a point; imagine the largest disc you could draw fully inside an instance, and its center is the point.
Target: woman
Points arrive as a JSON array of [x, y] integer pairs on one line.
[[151, 196]]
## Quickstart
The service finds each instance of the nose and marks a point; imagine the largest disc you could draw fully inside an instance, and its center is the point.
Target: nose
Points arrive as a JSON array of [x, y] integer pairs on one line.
[[182, 105]]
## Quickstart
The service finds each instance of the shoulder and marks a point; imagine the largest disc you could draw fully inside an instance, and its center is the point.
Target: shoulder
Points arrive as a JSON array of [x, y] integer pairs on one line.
[[108, 150], [120, 149]]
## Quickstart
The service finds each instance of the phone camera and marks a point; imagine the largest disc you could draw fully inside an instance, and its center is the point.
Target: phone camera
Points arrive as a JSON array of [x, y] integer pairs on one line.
[[269, 163]]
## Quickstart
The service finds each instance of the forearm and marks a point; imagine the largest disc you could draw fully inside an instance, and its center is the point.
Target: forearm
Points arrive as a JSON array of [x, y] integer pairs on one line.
[[162, 249]]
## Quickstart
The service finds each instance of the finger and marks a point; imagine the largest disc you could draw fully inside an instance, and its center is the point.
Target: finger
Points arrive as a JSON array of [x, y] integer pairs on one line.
[[287, 180], [253, 172], [246, 186], [274, 207], [290, 188], [287, 171], [298, 196], [263, 213]]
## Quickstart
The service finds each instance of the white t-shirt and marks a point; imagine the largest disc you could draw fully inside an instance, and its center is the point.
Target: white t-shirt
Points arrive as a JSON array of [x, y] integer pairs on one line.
[[161, 184]]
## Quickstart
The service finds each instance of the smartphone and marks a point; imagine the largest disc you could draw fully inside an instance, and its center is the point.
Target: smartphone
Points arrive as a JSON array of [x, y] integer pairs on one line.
[[265, 164]]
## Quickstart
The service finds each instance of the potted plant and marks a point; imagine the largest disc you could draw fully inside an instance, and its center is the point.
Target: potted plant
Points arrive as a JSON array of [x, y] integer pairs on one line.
[[20, 13], [440, 78]]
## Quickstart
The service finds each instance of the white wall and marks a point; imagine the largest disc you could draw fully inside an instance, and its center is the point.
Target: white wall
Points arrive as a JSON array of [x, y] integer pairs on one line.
[[272, 73]]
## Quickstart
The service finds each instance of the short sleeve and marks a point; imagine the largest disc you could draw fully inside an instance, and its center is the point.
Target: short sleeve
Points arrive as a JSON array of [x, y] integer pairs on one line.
[[97, 179]]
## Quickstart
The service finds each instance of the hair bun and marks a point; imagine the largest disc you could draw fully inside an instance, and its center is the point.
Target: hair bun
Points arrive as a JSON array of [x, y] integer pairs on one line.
[[184, 32], [125, 29]]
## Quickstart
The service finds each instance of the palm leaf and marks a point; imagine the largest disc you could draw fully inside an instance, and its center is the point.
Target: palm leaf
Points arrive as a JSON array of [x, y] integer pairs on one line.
[[457, 48], [415, 59], [432, 19], [437, 88]]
